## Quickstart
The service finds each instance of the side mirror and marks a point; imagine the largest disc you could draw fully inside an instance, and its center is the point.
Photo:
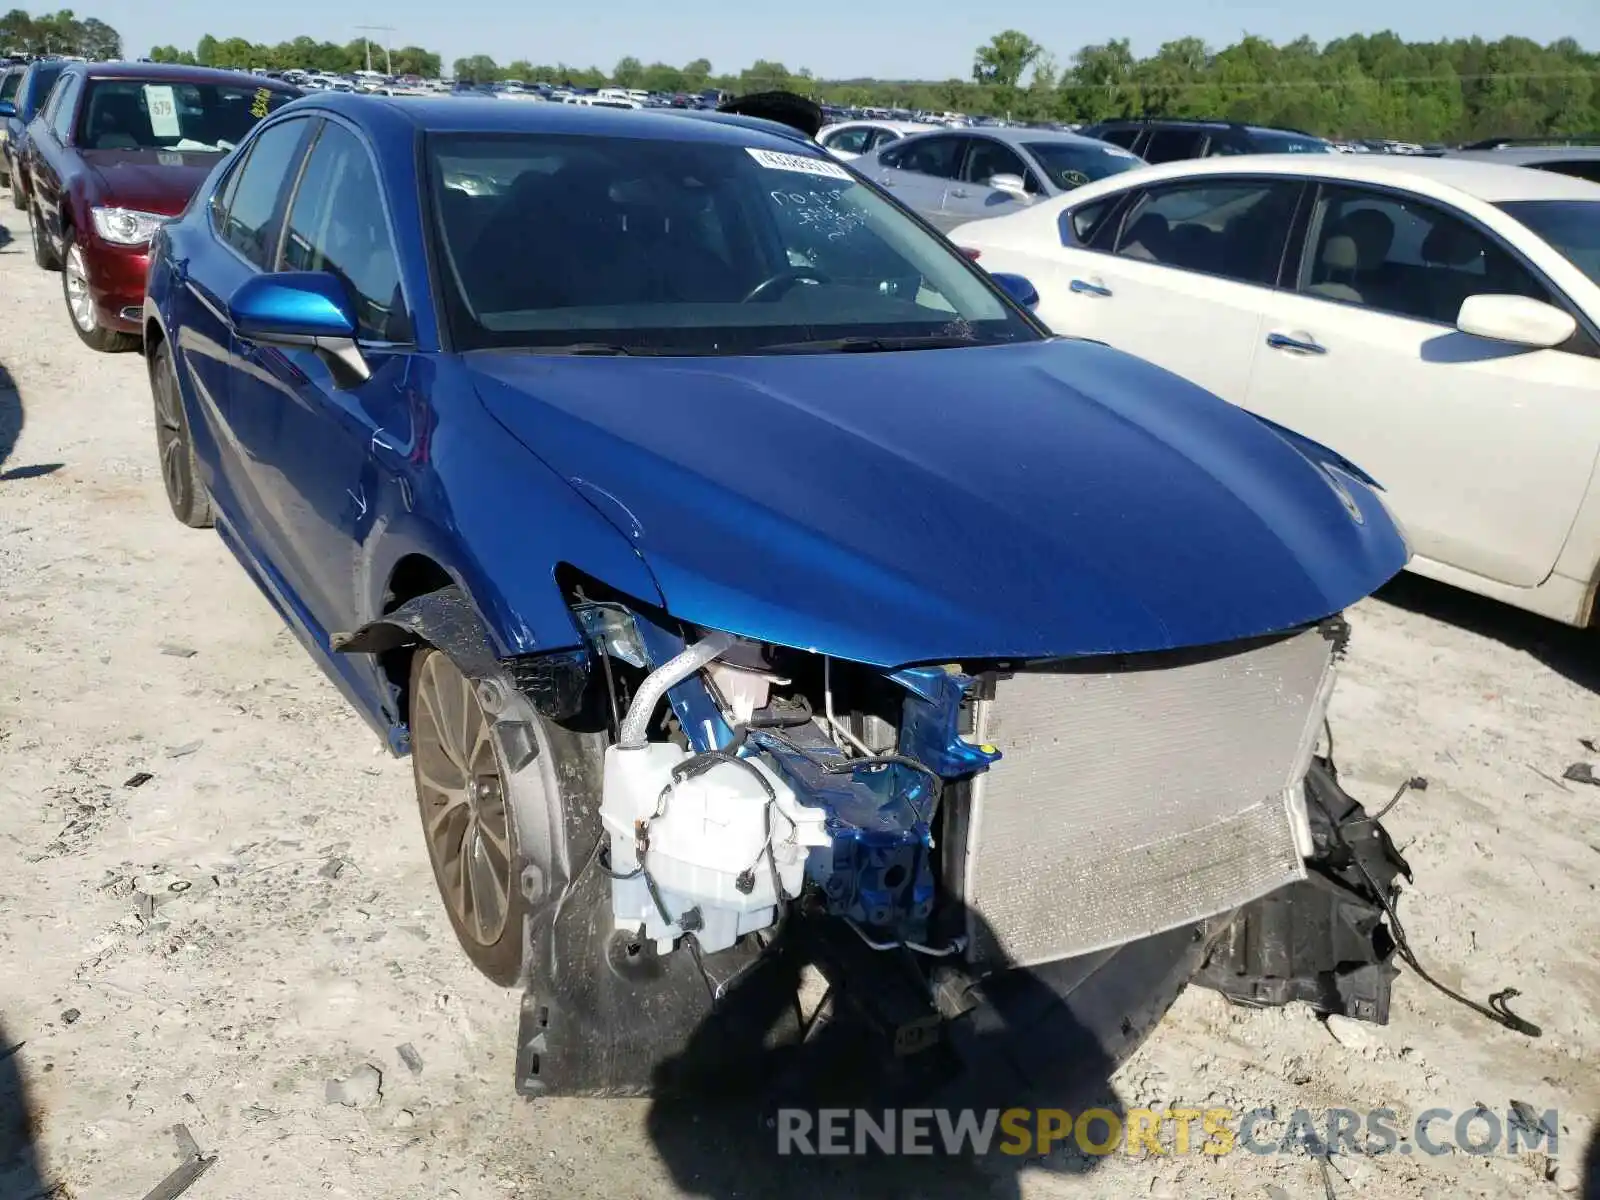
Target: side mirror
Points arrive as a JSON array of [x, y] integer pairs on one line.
[[1011, 185], [1018, 288], [1515, 319], [308, 309], [7, 108]]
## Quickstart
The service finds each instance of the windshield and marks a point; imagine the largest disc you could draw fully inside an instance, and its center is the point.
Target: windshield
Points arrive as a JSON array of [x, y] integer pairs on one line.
[[1572, 227], [688, 247], [1073, 164], [137, 114]]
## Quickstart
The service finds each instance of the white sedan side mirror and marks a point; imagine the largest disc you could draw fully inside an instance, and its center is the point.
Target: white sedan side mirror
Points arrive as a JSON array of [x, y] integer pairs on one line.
[[1515, 319], [1012, 185]]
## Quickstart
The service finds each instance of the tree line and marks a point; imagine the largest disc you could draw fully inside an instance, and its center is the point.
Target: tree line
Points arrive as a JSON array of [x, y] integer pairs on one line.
[[58, 33], [1361, 86]]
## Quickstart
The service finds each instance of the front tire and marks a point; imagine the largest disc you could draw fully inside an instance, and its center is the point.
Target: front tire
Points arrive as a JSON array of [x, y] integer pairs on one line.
[[180, 472], [80, 303], [478, 813]]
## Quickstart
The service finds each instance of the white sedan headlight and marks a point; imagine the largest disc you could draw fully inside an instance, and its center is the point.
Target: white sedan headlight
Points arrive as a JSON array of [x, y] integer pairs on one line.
[[126, 226]]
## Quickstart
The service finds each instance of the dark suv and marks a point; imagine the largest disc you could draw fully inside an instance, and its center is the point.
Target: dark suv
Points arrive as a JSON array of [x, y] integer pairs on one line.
[[1167, 139]]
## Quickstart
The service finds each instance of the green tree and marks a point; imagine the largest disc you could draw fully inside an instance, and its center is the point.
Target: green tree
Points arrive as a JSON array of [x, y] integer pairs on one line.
[[479, 68], [628, 73], [205, 53], [1004, 60], [697, 75]]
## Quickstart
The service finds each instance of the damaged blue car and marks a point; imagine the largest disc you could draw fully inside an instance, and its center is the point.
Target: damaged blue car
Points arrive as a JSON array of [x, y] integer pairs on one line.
[[753, 581]]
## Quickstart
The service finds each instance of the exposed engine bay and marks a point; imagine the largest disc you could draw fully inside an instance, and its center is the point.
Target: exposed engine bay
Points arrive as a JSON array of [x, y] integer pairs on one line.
[[928, 829], [1067, 806]]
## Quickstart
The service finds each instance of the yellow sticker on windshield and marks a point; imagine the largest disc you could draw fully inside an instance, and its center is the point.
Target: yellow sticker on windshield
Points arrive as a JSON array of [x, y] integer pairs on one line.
[[259, 108]]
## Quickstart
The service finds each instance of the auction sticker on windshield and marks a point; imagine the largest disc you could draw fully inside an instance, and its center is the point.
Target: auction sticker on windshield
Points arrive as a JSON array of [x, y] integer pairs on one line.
[[802, 163], [163, 108]]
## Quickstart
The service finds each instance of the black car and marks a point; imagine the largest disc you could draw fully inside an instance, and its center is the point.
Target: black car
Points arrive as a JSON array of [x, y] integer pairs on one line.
[[1167, 139], [33, 84]]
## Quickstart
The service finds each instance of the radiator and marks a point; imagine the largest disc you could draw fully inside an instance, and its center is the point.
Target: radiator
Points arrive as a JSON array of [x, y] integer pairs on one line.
[[1130, 801]]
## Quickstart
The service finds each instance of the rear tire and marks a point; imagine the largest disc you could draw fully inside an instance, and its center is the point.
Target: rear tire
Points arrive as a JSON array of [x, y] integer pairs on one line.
[[190, 501], [81, 310]]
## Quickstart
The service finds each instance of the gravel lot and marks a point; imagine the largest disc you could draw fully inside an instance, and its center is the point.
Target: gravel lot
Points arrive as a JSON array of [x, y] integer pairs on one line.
[[211, 948]]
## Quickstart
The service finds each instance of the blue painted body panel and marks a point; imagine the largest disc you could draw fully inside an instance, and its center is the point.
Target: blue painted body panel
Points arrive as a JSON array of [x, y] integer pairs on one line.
[[1057, 498]]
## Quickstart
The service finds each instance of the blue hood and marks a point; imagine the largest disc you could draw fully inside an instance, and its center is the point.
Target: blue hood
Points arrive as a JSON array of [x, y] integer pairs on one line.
[[1049, 499]]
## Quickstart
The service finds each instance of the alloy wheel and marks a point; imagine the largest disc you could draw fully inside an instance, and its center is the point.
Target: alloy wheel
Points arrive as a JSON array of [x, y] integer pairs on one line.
[[169, 431], [462, 796], [80, 303]]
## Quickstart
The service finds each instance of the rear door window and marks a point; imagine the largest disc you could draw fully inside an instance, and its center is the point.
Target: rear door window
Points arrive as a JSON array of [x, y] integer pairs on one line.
[[1582, 168], [9, 83], [1235, 229], [939, 157]]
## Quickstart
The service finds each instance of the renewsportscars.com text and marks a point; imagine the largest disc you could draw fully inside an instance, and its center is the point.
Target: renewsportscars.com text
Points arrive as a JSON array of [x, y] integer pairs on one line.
[[1165, 1131]]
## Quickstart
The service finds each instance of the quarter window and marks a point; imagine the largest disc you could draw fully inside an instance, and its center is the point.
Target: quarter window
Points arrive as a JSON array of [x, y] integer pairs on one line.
[[251, 224], [338, 225], [1235, 229], [1403, 256]]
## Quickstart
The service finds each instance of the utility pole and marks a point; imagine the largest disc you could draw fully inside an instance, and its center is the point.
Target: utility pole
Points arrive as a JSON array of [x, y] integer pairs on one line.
[[388, 63]]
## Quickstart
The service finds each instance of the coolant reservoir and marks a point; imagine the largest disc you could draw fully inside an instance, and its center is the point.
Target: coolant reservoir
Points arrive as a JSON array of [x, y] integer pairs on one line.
[[713, 830]]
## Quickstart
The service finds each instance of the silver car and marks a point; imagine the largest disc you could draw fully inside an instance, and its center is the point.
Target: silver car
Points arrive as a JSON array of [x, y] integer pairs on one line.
[[955, 176]]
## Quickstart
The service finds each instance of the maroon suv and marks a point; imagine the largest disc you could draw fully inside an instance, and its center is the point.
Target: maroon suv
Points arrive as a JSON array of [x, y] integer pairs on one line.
[[117, 149]]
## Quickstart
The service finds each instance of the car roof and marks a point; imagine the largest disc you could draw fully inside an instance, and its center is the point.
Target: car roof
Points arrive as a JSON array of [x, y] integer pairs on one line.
[[471, 115], [1018, 135], [1492, 182], [877, 123], [1203, 123], [175, 73], [1519, 155]]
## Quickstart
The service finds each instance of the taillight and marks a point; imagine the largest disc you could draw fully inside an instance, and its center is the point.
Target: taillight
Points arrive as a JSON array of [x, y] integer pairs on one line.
[[970, 252]]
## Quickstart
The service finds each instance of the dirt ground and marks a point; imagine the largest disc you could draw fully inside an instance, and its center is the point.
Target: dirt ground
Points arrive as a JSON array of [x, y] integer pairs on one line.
[[213, 947]]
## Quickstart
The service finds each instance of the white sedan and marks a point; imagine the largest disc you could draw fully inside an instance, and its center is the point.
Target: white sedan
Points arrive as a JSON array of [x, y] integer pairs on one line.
[[1435, 321], [851, 139]]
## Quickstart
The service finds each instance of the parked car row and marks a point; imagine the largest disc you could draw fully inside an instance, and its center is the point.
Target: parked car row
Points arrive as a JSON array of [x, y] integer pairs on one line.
[[108, 154], [1434, 320], [629, 470]]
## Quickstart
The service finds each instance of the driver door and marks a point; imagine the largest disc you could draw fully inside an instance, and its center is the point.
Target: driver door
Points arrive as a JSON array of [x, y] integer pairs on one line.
[[918, 171]]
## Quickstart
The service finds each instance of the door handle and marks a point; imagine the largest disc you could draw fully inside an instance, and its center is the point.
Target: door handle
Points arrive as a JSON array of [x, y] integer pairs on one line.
[[1295, 345], [1085, 287], [959, 193]]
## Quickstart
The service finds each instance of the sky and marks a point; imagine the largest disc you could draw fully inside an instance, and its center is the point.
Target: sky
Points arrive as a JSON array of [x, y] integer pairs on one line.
[[903, 39]]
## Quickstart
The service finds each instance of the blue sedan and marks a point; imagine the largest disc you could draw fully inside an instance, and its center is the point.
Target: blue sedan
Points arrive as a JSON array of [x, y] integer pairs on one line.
[[741, 566]]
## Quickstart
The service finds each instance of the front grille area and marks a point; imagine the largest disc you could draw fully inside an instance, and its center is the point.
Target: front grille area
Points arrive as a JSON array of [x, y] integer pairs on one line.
[[1133, 800]]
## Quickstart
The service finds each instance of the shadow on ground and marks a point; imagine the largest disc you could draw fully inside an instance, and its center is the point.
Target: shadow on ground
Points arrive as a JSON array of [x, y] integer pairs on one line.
[[11, 422], [19, 1127], [1574, 653], [1043, 1038]]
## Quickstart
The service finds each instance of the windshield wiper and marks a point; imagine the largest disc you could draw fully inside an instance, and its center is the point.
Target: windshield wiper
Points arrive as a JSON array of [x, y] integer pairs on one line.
[[599, 348], [870, 345]]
